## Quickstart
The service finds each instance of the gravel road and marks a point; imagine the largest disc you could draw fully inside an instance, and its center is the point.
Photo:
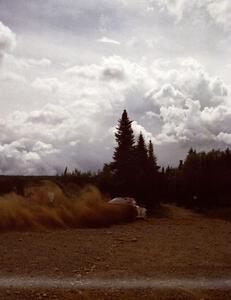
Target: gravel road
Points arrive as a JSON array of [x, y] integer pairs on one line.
[[180, 256]]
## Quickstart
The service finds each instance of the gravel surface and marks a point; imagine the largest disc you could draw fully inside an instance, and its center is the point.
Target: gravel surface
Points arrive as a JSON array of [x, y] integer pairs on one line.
[[180, 256]]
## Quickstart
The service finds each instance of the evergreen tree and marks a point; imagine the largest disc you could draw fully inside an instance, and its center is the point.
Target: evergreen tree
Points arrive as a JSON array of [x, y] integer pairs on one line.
[[141, 170], [123, 164], [124, 135], [134, 168], [146, 174], [140, 161], [141, 152], [152, 157], [180, 167]]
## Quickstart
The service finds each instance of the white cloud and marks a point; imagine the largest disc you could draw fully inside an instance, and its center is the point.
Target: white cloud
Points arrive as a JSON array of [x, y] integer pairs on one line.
[[177, 7], [192, 105], [43, 149], [137, 129], [7, 40], [49, 115], [217, 119], [17, 158], [12, 77], [89, 71], [47, 84], [185, 78], [106, 40], [220, 11], [225, 138], [63, 92], [187, 106], [184, 125], [44, 62]]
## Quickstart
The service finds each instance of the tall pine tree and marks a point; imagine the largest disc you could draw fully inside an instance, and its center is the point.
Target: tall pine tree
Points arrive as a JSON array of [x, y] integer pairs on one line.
[[141, 150], [141, 158], [123, 164], [146, 173], [152, 157], [134, 168]]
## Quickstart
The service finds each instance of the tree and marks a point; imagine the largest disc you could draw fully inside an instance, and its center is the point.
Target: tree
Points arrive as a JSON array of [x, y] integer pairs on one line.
[[146, 176], [140, 170], [153, 179], [123, 164], [141, 153], [140, 161], [152, 158], [134, 166]]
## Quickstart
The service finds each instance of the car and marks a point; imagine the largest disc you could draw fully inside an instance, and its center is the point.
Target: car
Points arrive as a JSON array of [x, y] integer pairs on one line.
[[141, 211]]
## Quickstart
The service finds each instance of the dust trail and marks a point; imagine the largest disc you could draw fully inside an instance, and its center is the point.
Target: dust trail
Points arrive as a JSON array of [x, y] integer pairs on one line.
[[46, 206]]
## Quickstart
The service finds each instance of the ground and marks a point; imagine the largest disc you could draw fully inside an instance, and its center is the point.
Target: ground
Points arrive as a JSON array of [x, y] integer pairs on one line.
[[182, 245]]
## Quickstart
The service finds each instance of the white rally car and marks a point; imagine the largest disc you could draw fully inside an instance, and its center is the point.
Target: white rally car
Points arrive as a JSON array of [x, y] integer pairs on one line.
[[141, 211]]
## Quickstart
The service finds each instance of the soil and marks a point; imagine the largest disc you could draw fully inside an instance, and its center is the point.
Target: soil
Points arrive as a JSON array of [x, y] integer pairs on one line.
[[182, 245]]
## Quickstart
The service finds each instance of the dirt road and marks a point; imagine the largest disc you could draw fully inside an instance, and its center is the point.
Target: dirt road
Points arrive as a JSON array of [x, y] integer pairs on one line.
[[181, 256]]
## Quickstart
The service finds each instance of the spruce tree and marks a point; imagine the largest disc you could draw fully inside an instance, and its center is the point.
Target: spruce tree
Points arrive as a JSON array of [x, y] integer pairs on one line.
[[141, 170], [134, 168], [152, 157], [141, 158], [153, 179], [141, 150], [123, 157]]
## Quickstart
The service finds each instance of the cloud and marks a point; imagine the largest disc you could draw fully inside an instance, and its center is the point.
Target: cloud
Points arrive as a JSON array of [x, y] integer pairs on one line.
[[175, 103], [184, 125], [50, 115], [19, 157], [47, 84], [44, 149], [217, 119], [225, 138], [78, 127], [176, 8], [12, 77], [219, 11], [182, 79], [87, 71], [44, 62], [64, 91], [192, 105], [112, 68], [107, 40], [137, 129], [7, 40]]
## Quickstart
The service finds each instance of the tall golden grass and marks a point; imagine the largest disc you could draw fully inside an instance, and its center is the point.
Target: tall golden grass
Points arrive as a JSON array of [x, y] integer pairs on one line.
[[35, 211]]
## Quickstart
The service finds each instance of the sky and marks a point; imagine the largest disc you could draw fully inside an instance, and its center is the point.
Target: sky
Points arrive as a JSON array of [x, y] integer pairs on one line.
[[69, 68]]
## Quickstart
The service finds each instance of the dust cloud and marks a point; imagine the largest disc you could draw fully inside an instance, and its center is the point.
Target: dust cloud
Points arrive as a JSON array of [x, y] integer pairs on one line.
[[45, 205]]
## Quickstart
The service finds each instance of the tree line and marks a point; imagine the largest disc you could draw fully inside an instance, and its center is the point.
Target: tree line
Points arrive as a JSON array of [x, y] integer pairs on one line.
[[202, 180]]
